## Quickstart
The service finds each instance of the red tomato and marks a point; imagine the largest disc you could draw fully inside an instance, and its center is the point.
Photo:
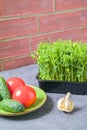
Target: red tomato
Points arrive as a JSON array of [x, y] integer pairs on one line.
[[26, 95], [14, 82]]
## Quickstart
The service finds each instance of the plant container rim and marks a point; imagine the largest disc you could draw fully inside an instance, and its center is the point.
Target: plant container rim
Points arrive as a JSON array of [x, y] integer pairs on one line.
[[56, 86]]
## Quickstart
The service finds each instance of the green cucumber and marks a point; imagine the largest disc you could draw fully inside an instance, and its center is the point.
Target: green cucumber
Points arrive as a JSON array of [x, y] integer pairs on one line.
[[0, 98], [12, 106], [4, 91]]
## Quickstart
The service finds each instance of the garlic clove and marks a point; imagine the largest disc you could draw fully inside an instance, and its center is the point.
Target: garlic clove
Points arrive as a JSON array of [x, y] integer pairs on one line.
[[70, 108], [60, 104]]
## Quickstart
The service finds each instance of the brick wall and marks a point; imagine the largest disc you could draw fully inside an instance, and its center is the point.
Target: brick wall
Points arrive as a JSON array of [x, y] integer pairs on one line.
[[24, 23]]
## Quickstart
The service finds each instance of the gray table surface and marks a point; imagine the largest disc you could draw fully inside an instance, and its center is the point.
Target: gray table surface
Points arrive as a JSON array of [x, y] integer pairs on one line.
[[48, 117]]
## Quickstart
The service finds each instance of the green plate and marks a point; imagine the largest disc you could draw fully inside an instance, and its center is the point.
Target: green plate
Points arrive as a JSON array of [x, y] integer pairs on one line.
[[41, 98]]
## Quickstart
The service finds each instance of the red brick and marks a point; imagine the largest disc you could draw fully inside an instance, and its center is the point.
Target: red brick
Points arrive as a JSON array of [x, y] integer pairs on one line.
[[0, 66], [14, 48], [24, 7], [84, 35], [18, 62], [65, 35], [63, 21], [70, 4], [18, 27]]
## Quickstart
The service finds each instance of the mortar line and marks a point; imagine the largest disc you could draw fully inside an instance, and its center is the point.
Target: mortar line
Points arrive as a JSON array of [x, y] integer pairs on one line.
[[42, 14]]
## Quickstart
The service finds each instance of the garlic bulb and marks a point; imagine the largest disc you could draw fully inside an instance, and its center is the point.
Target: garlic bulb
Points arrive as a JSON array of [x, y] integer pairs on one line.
[[65, 104]]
